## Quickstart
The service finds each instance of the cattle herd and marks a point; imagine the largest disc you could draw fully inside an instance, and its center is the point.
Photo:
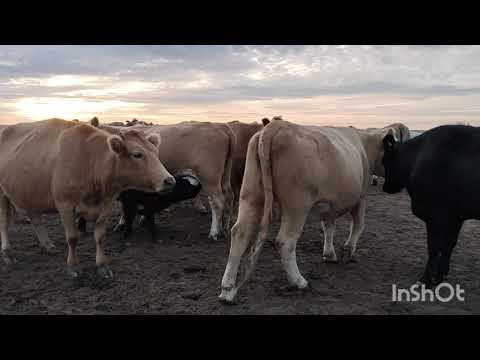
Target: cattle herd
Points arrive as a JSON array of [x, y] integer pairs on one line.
[[249, 172]]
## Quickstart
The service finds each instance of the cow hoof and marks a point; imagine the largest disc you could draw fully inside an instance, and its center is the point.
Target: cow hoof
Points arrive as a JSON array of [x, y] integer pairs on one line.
[[348, 257], [104, 272], [49, 249], [227, 295], [9, 260], [119, 228], [74, 272], [202, 210], [330, 258], [213, 237], [156, 241], [302, 284]]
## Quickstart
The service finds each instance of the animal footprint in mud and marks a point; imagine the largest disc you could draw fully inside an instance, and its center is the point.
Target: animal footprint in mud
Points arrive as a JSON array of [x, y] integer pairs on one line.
[[194, 269], [192, 296], [291, 290]]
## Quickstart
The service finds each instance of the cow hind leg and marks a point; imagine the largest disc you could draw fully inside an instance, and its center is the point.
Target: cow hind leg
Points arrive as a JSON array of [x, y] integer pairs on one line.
[[46, 244], [228, 209], [67, 215], [447, 244], [357, 225], [5, 217], [438, 231], [198, 205], [329, 254], [242, 234], [217, 203], [291, 228]]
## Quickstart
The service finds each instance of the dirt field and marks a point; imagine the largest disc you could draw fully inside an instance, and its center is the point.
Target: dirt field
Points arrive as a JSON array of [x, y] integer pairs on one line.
[[182, 274]]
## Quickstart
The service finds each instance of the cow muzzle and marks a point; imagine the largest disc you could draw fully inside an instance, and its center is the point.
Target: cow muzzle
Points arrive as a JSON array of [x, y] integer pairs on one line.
[[167, 185]]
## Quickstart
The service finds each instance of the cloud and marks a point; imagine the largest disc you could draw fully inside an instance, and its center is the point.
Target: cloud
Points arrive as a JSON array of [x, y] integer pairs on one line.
[[215, 82]]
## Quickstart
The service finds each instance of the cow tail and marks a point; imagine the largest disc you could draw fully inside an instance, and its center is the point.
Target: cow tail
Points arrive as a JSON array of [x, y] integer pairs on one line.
[[264, 155], [226, 179]]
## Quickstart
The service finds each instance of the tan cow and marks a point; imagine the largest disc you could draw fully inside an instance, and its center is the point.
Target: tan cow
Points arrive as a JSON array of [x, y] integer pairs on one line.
[[401, 133], [243, 133], [301, 166], [73, 168], [207, 149]]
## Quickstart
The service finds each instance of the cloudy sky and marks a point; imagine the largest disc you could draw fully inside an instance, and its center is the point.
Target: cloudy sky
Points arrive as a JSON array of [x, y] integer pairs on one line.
[[365, 86]]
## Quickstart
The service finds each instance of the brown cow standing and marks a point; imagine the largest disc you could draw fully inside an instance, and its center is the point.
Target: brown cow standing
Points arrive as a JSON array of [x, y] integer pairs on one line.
[[205, 148], [73, 168]]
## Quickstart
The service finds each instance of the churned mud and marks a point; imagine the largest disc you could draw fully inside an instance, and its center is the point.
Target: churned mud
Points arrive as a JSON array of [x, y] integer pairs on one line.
[[182, 273]]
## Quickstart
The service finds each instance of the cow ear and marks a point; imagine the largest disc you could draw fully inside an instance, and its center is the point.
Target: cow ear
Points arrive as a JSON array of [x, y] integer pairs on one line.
[[265, 121], [116, 144], [155, 140], [95, 122], [388, 142]]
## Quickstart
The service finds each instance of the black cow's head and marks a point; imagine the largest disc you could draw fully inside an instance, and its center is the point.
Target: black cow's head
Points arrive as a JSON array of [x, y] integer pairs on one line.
[[187, 187], [393, 183]]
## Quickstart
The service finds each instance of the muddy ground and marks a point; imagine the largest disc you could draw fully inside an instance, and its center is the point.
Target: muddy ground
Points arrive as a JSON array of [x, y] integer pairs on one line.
[[182, 274]]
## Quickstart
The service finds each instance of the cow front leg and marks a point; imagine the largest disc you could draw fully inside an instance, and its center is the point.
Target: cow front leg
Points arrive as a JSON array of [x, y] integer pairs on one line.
[[125, 223], [67, 215], [101, 260], [150, 223], [329, 254], [5, 217], [47, 245], [357, 225], [82, 225], [435, 234]]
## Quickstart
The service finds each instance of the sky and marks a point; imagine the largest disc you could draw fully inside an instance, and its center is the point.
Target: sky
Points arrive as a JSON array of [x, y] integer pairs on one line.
[[359, 85]]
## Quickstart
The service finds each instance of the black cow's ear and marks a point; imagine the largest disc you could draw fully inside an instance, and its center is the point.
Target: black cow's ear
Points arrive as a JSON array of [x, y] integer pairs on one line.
[[388, 142]]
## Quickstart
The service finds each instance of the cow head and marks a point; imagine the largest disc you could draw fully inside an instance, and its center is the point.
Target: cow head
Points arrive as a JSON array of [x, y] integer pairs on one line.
[[187, 187], [392, 177], [398, 132], [139, 167]]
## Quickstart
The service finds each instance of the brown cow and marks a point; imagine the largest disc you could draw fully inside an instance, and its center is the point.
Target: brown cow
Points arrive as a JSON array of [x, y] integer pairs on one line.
[[302, 166], [207, 149], [73, 168], [243, 133]]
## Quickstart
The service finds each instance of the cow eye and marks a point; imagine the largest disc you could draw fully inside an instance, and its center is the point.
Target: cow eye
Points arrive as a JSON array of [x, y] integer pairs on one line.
[[137, 155]]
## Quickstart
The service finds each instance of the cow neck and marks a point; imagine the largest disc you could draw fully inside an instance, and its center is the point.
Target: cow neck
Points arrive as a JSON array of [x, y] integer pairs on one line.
[[407, 153], [106, 175], [370, 142]]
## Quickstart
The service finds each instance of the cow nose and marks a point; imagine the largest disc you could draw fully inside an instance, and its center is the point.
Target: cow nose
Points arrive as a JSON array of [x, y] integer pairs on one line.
[[170, 181]]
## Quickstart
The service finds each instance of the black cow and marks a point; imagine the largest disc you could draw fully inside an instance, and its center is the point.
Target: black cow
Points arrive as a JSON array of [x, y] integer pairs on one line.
[[187, 186], [439, 170]]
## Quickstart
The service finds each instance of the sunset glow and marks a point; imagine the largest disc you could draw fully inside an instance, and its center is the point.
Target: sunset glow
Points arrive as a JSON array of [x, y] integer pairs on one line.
[[364, 86]]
